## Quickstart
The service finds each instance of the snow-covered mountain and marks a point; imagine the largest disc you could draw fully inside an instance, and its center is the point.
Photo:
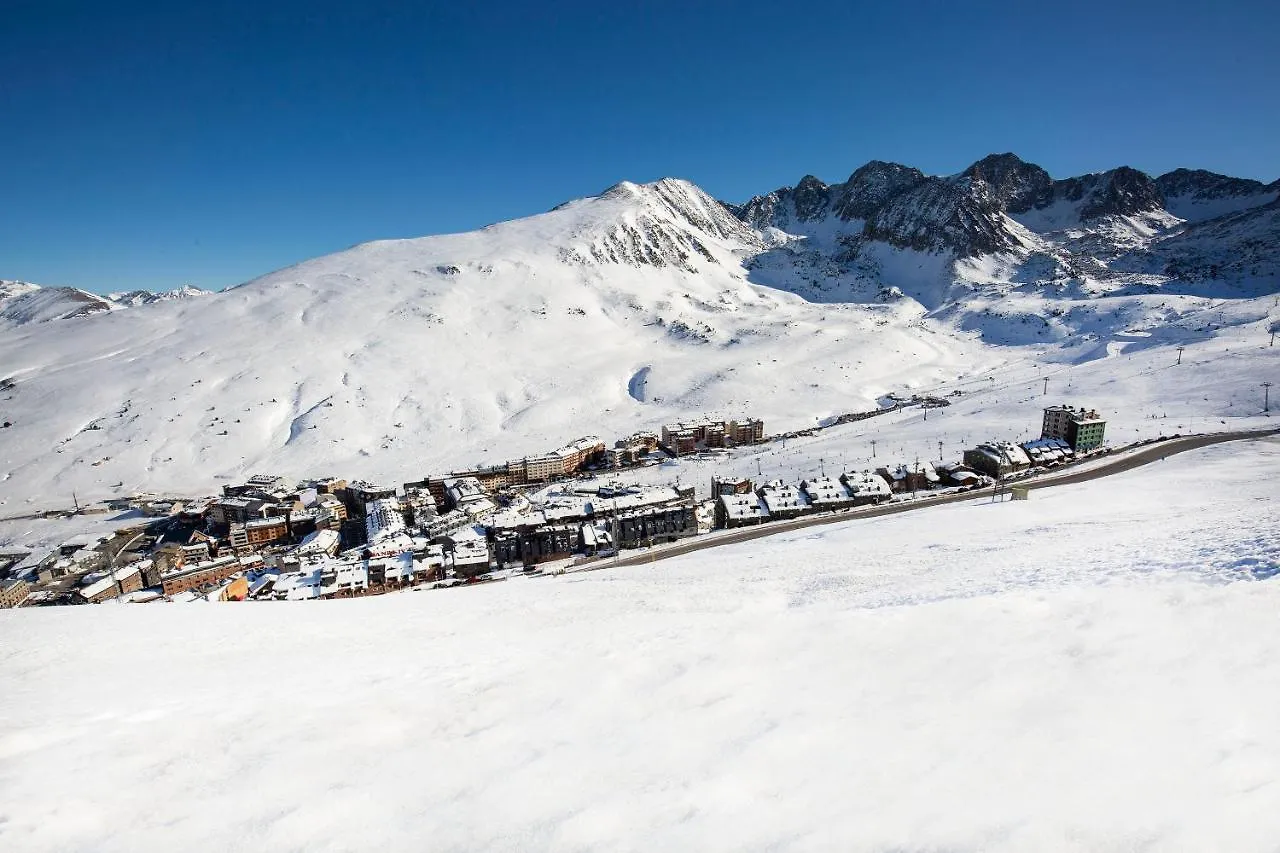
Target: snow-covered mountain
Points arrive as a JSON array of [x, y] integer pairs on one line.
[[134, 298], [22, 302], [1196, 195], [623, 310]]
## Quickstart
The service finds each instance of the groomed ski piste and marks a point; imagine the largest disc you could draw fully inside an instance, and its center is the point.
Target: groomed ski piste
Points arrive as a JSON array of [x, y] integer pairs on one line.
[[1092, 669]]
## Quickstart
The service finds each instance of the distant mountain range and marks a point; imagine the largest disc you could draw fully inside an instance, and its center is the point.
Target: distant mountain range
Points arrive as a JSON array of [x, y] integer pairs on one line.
[[1187, 224], [616, 312], [22, 302]]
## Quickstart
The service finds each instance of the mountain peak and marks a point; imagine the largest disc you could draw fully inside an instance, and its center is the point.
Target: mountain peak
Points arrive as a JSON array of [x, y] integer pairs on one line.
[[1121, 191], [1198, 194], [1014, 184], [873, 184]]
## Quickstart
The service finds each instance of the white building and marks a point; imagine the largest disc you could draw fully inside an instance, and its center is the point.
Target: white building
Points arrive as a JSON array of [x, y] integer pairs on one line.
[[382, 519]]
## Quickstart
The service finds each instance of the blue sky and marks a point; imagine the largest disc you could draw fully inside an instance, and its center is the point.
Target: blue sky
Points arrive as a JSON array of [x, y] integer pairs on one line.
[[151, 145]]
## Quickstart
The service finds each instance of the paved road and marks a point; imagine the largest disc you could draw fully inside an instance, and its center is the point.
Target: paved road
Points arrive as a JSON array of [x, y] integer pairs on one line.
[[1125, 462]]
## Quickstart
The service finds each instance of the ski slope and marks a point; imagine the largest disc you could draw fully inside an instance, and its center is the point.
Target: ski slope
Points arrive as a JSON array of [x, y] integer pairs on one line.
[[1089, 670]]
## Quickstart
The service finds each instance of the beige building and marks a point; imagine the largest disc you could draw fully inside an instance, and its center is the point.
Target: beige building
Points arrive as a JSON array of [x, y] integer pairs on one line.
[[188, 577], [121, 581], [13, 592], [543, 467]]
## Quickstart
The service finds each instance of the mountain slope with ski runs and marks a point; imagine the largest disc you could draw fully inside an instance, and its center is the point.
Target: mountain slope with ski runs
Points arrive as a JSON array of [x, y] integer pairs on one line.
[[402, 358]]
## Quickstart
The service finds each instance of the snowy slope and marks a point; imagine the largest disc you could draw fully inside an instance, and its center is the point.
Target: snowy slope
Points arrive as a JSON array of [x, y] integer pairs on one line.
[[405, 357], [22, 302], [1093, 669], [396, 359]]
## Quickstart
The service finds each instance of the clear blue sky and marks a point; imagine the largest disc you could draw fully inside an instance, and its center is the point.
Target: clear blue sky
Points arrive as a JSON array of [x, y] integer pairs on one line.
[[151, 145]]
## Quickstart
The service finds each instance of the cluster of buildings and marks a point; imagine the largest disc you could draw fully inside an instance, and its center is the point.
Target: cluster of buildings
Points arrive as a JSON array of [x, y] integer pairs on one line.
[[1065, 432], [589, 519], [739, 503], [683, 438], [263, 539], [268, 539], [563, 462]]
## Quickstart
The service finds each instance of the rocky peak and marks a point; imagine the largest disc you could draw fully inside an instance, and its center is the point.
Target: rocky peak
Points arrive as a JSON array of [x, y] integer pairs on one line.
[[957, 214], [811, 198], [807, 201], [1119, 192], [1198, 195], [1014, 184], [1201, 183], [870, 186]]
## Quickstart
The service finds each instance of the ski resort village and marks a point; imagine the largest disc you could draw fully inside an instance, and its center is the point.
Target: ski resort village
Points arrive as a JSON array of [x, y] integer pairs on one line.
[[567, 510], [761, 427]]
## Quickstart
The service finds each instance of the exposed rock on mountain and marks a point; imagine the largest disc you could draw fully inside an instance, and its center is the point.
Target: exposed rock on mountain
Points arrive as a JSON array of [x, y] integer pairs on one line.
[[1197, 195], [787, 207], [1241, 247], [1014, 184], [998, 204], [958, 214], [1118, 192], [870, 186]]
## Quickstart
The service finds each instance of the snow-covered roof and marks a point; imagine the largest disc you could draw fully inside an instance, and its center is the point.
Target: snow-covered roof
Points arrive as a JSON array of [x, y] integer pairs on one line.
[[382, 520], [343, 574], [1015, 454], [300, 585], [221, 562], [866, 483], [587, 442], [262, 580], [319, 541], [823, 490], [778, 497], [744, 506], [1048, 449], [467, 552], [270, 521], [109, 580], [366, 486], [81, 540], [1005, 453]]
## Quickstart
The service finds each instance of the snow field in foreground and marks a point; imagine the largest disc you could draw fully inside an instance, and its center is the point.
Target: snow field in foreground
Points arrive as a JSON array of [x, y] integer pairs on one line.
[[1092, 669]]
